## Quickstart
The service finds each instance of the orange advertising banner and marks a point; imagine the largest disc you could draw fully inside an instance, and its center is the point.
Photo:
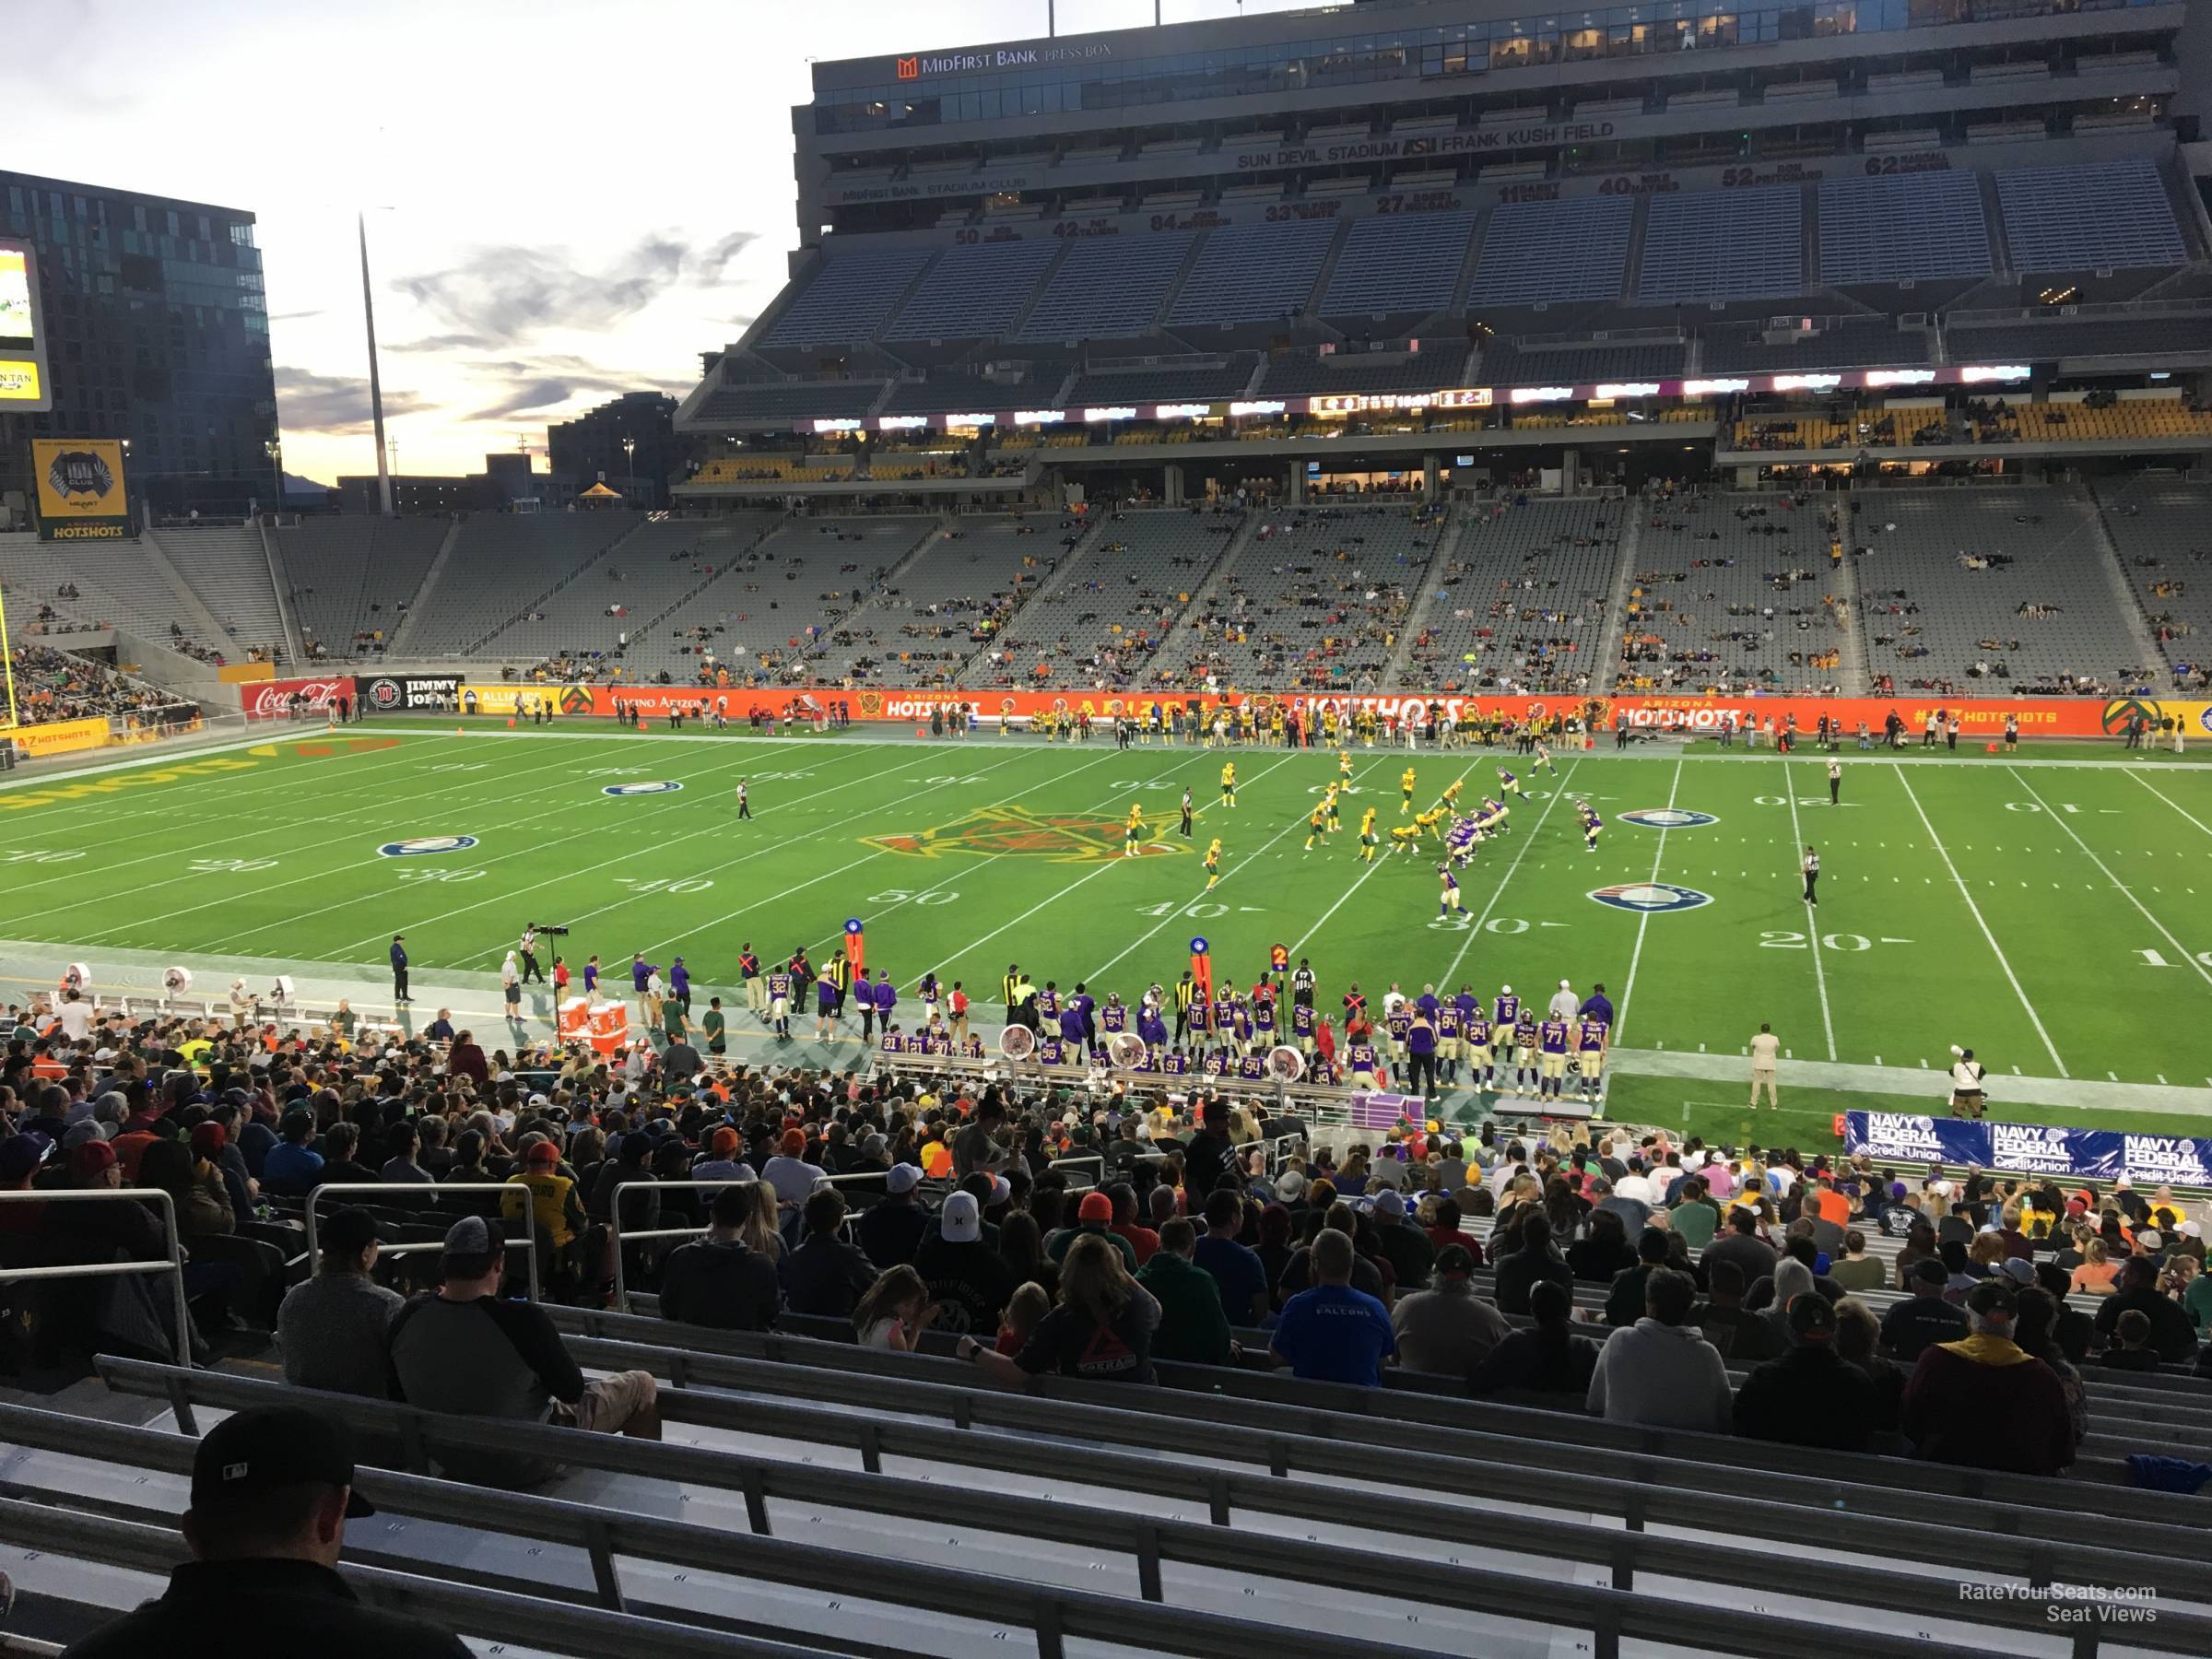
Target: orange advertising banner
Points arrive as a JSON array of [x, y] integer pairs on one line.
[[1980, 718]]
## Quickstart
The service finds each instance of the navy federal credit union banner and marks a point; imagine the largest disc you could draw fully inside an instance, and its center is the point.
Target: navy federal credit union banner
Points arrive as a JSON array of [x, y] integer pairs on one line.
[[2030, 1149]]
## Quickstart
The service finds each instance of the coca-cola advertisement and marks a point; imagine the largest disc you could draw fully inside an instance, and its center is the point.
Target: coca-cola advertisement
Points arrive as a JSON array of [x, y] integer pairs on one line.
[[295, 699]]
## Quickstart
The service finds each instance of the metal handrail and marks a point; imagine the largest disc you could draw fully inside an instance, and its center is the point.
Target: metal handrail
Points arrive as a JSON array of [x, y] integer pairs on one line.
[[392, 1191], [614, 1221], [173, 1266]]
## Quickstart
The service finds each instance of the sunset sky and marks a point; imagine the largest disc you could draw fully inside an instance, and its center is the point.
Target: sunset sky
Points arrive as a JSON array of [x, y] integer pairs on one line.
[[565, 201]]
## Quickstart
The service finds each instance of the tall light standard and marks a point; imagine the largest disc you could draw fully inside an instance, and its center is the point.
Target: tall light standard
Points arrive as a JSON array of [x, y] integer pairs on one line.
[[275, 452], [629, 449], [376, 391]]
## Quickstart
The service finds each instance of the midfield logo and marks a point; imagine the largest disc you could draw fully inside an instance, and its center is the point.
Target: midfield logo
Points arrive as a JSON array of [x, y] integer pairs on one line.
[[1017, 832]]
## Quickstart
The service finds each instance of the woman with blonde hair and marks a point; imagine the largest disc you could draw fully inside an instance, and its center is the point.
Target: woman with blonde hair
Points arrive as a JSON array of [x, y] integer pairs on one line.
[[761, 1232], [1101, 1328], [2094, 1277]]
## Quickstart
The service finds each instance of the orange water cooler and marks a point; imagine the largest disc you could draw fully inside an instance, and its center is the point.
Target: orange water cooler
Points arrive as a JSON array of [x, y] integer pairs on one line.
[[609, 1029], [575, 1019]]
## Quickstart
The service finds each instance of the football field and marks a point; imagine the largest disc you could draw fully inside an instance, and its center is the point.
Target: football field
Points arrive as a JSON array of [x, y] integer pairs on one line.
[[2055, 915]]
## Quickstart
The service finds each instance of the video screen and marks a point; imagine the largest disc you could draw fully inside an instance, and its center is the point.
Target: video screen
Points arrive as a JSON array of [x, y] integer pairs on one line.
[[14, 297]]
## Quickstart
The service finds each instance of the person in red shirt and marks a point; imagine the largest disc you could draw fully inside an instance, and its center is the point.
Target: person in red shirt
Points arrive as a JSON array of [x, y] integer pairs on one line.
[[561, 980], [1325, 1038], [1142, 1239], [955, 1004]]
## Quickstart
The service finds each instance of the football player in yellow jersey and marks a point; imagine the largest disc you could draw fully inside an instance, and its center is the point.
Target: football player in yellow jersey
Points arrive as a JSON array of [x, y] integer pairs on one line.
[[1431, 821], [1344, 766], [1450, 798], [1405, 837], [1317, 825], [1367, 836], [1213, 862], [1329, 805], [1406, 790], [1134, 832], [1228, 783]]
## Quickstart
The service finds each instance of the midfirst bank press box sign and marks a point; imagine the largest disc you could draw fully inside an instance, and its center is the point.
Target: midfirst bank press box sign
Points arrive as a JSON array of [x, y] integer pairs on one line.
[[82, 496]]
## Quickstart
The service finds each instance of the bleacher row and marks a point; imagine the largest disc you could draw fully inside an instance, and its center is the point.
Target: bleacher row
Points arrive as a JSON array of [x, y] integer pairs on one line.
[[812, 1496], [1509, 590], [1747, 243]]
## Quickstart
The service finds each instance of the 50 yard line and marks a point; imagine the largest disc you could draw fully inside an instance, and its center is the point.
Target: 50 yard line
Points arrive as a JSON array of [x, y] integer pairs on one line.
[[1812, 926], [2033, 1018]]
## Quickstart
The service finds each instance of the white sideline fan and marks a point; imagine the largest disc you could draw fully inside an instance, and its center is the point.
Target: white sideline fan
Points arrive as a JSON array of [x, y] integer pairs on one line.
[[1017, 1042], [1286, 1064], [176, 980], [1126, 1050]]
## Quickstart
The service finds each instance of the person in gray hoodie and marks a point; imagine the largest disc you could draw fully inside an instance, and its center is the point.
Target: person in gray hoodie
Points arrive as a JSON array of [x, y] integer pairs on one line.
[[1660, 1371]]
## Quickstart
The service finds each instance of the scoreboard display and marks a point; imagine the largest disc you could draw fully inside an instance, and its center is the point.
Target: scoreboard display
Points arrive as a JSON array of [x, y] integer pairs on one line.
[[25, 387]]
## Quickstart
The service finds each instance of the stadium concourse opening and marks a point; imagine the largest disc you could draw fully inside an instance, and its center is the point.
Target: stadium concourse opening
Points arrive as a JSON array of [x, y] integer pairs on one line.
[[1471, 737]]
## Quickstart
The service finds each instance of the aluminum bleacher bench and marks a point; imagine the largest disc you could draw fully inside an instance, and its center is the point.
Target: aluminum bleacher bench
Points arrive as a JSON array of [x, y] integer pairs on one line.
[[1153, 1542]]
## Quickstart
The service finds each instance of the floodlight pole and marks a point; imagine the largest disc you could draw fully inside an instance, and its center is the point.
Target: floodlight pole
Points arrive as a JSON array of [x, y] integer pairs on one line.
[[376, 391]]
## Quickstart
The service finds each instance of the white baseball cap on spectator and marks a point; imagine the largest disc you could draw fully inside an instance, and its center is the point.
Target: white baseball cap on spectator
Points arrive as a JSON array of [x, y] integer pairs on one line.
[[959, 1222], [900, 1178]]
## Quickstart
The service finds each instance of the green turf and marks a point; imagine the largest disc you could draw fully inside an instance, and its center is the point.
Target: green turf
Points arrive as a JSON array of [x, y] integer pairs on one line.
[[1806, 1119], [276, 855]]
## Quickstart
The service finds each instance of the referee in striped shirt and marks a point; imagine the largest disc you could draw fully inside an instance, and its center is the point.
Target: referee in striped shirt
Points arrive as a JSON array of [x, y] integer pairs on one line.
[[1811, 867], [1009, 990]]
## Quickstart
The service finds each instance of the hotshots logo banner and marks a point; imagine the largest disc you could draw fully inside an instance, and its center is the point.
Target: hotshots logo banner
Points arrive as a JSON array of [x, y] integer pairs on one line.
[[82, 493]]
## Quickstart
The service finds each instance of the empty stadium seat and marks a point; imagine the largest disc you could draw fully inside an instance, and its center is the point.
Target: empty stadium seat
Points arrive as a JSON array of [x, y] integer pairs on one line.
[[499, 564], [1723, 244], [2108, 215], [225, 566], [1542, 252], [850, 297], [975, 291], [1252, 273], [1107, 287], [351, 576], [1399, 263], [1521, 595], [1910, 227]]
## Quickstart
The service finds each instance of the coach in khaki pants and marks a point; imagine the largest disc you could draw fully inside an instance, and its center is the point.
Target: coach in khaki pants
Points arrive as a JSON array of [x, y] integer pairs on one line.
[[1766, 1049]]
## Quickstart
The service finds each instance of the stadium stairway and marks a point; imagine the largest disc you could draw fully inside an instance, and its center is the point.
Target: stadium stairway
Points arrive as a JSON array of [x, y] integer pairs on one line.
[[1613, 632], [893, 574], [428, 586], [2125, 599], [974, 671], [1208, 583], [648, 628], [200, 621], [1429, 597], [1157, 1513], [600, 557]]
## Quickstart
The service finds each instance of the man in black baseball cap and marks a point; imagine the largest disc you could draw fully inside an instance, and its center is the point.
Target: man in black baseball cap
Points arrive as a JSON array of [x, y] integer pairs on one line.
[[272, 1489]]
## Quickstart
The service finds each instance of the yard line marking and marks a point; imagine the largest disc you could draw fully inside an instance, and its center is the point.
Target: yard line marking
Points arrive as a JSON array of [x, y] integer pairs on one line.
[[1620, 1017], [1465, 944], [464, 790], [1227, 874], [727, 863], [238, 835], [1376, 865], [1812, 927], [2170, 801], [494, 952], [843, 869], [2202, 971], [2033, 1017], [991, 858]]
